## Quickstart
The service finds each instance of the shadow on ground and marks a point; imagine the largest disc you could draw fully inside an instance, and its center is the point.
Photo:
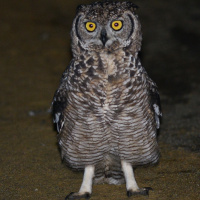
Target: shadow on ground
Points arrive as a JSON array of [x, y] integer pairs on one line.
[[35, 49]]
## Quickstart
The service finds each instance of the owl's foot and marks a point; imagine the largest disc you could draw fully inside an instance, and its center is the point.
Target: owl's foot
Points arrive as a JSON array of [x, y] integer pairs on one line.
[[77, 195], [86, 187], [142, 191]]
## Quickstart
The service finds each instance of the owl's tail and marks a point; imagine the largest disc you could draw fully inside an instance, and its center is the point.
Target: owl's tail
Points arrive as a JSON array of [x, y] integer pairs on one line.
[[109, 171]]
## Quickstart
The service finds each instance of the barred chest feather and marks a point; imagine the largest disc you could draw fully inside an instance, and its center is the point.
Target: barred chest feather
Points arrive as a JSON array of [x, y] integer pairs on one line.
[[109, 80], [108, 111]]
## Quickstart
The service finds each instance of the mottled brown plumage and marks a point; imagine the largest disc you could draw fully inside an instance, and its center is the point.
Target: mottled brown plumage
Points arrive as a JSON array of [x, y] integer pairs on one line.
[[106, 107]]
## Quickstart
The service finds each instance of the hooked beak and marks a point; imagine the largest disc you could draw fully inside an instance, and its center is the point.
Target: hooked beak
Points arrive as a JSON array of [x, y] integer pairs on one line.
[[104, 36]]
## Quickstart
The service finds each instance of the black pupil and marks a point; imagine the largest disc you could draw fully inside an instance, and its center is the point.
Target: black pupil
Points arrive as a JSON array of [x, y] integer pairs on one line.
[[116, 24], [91, 25]]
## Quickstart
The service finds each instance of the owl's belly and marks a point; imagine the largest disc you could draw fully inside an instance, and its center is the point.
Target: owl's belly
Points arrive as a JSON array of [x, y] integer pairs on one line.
[[127, 133], [112, 120]]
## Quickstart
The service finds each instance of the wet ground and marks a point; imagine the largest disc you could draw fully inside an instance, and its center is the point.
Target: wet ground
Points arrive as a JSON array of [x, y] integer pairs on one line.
[[34, 51]]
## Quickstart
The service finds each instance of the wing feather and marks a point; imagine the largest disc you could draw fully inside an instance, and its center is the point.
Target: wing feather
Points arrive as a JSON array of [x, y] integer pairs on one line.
[[59, 103], [155, 101]]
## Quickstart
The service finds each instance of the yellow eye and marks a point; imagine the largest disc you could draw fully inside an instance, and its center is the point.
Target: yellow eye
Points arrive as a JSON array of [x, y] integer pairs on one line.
[[90, 26], [117, 25]]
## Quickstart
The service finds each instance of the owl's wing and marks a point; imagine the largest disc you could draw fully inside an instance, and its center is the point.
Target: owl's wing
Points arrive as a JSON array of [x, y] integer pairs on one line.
[[155, 101], [59, 103]]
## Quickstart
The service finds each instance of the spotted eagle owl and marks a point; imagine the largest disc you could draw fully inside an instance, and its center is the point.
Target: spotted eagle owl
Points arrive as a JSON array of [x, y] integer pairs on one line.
[[106, 108]]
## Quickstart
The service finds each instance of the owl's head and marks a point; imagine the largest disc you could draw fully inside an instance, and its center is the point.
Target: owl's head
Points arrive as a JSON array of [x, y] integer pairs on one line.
[[106, 26]]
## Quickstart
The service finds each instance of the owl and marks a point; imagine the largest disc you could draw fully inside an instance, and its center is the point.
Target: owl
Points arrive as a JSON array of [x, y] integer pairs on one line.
[[107, 108]]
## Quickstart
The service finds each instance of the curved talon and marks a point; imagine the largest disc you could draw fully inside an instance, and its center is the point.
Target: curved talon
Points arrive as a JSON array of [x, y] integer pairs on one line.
[[142, 191], [68, 196], [148, 188], [87, 196], [73, 195]]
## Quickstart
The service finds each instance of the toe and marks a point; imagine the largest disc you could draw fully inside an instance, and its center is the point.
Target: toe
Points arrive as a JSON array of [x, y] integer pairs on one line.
[[141, 191], [73, 195]]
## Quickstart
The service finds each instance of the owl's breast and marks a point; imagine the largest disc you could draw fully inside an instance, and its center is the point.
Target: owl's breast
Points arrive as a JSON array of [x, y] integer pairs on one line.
[[106, 83]]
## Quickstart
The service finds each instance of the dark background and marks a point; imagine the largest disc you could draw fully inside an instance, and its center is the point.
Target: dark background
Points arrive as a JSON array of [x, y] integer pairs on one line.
[[34, 51]]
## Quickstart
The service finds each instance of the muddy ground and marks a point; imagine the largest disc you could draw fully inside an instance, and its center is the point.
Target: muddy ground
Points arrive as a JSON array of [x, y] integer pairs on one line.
[[34, 51]]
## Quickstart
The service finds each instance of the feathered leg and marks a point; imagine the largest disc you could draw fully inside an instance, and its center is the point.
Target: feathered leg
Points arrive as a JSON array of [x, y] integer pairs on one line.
[[86, 186], [131, 185]]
